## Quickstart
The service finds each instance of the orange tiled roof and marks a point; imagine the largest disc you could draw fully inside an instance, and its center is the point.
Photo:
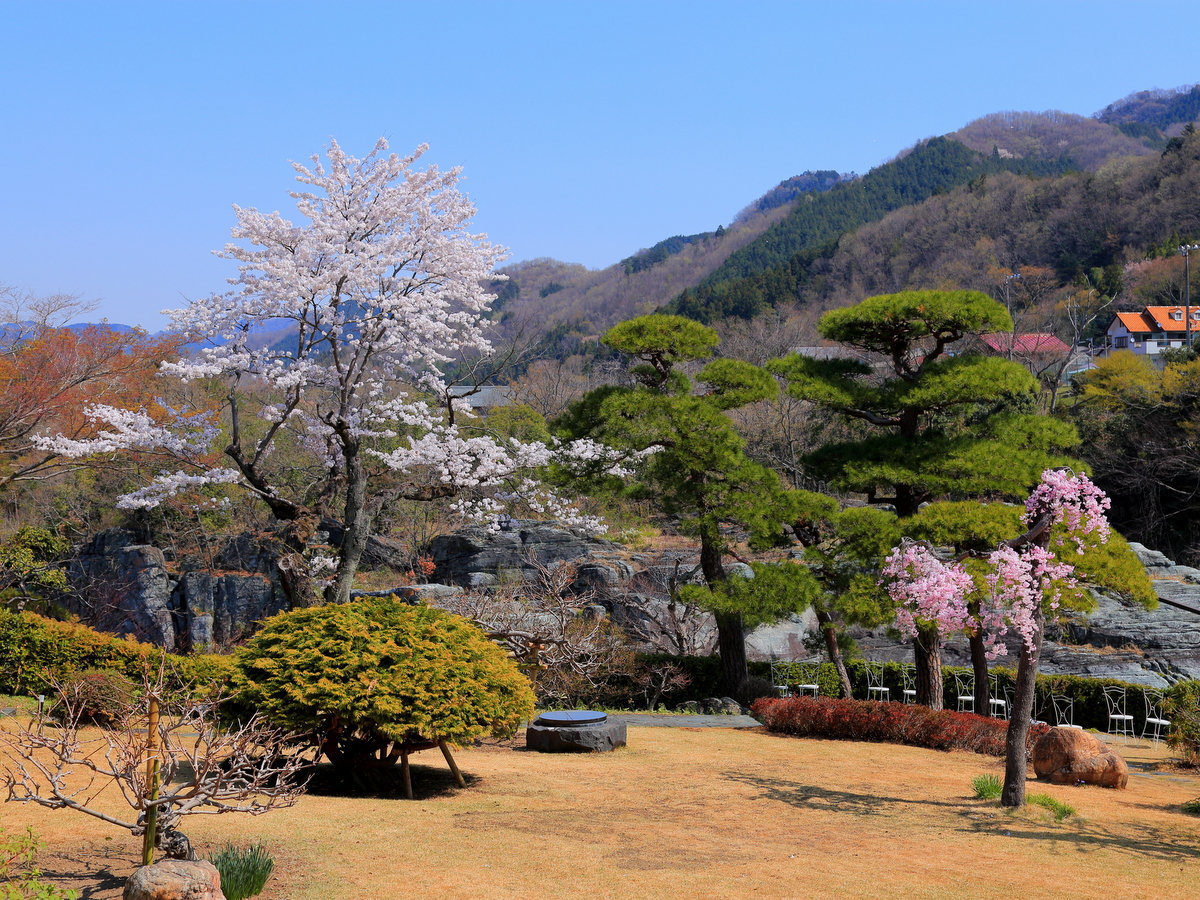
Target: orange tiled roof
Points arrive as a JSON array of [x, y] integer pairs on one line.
[[1160, 318]]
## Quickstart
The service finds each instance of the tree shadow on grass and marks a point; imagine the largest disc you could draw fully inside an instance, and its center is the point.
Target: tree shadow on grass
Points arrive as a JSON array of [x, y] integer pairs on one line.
[[811, 796], [428, 782], [94, 874], [1139, 840]]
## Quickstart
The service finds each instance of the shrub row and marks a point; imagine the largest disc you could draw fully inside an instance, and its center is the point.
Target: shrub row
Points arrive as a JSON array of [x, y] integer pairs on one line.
[[35, 651], [894, 723]]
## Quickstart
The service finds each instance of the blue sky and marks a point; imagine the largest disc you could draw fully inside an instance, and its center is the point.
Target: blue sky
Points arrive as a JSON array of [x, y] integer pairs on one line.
[[587, 130]]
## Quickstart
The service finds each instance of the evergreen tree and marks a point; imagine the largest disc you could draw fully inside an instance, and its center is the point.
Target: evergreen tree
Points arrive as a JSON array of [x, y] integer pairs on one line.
[[693, 464], [944, 426]]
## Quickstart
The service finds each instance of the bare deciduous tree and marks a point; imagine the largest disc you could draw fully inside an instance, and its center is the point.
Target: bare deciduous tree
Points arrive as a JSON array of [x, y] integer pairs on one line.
[[58, 762]]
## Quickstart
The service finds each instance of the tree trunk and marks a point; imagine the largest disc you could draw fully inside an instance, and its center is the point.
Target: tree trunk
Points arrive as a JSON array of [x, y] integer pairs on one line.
[[1015, 762], [825, 620], [927, 655], [731, 632], [979, 665], [731, 643], [357, 524]]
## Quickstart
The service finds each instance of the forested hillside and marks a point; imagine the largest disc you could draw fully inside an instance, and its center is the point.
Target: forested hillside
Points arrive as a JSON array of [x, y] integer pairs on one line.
[[787, 245]]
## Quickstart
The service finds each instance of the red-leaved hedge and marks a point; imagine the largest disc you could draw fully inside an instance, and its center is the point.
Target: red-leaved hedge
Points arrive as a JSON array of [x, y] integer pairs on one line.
[[893, 723]]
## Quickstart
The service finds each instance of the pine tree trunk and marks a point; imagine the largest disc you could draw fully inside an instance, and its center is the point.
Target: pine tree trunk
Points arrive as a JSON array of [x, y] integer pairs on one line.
[[835, 652], [927, 655], [1016, 764], [731, 632], [979, 665], [731, 643]]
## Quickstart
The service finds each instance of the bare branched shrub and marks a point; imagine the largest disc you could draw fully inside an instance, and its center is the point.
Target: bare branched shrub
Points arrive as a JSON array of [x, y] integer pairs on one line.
[[657, 619], [205, 768], [571, 650]]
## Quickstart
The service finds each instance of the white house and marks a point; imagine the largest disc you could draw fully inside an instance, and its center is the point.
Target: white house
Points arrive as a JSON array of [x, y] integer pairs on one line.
[[1153, 330]]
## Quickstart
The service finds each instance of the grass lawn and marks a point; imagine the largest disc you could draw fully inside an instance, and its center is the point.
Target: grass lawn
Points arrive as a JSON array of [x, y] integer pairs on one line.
[[690, 812]]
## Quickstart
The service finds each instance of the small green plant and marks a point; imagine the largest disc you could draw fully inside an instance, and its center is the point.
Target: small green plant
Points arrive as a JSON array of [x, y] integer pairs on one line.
[[987, 787], [19, 879], [1192, 807], [1061, 810], [244, 872]]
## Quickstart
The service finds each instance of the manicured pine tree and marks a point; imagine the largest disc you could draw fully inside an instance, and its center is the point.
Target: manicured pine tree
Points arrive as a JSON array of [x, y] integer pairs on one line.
[[692, 464], [941, 425]]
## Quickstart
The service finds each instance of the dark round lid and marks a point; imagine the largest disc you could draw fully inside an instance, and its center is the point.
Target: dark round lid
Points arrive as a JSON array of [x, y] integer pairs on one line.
[[571, 718]]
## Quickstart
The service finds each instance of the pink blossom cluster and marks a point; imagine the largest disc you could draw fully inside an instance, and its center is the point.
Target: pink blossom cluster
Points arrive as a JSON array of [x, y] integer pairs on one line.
[[929, 591], [926, 590], [1019, 582], [1073, 501]]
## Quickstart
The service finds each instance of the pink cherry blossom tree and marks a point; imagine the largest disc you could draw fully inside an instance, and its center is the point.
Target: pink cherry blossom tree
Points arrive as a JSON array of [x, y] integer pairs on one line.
[[378, 287], [1026, 577]]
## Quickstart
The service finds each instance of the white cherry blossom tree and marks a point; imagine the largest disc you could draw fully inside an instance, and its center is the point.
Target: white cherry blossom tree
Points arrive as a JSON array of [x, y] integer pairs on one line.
[[378, 287]]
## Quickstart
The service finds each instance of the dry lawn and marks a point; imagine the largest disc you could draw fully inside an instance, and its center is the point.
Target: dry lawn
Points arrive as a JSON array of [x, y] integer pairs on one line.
[[690, 812]]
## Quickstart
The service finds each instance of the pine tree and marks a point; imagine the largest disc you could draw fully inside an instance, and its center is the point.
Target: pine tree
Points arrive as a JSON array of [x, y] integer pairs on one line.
[[695, 468], [943, 426]]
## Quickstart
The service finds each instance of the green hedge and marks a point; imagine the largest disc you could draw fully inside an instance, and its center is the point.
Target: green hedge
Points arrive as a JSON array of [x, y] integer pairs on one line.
[[1090, 710], [35, 650]]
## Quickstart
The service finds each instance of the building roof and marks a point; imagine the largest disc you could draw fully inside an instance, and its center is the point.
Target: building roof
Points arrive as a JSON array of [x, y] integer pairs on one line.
[[1028, 344], [1158, 318]]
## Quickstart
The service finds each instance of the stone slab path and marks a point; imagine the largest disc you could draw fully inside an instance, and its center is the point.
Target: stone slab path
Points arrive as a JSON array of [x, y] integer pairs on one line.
[[658, 721]]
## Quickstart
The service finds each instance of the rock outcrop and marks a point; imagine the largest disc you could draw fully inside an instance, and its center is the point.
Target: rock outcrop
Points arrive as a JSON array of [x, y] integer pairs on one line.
[[127, 588], [476, 557]]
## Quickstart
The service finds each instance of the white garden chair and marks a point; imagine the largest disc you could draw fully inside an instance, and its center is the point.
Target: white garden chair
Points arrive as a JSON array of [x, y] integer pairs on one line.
[[806, 679], [876, 690], [1064, 712], [964, 691], [1155, 722], [1119, 721], [908, 677], [997, 704]]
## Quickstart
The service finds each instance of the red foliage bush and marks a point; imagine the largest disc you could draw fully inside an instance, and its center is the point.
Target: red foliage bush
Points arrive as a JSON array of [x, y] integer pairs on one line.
[[893, 723]]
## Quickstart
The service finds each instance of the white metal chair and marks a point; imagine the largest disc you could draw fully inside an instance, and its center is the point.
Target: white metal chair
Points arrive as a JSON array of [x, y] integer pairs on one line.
[[997, 705], [806, 679], [876, 690], [964, 691], [1119, 721], [779, 679], [1155, 723], [908, 677], [1064, 711]]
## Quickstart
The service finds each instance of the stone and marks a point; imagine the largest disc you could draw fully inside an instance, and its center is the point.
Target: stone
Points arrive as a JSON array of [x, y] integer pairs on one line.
[[598, 738], [223, 609], [1072, 755], [513, 551], [175, 879], [123, 587]]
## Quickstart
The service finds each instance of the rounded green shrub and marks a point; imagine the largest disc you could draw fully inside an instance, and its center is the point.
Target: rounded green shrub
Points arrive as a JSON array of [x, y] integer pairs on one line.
[[1181, 706], [368, 678]]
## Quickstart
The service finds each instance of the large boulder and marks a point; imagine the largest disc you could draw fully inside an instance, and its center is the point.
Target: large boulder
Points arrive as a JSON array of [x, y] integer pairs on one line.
[[175, 879], [221, 609], [1072, 756]]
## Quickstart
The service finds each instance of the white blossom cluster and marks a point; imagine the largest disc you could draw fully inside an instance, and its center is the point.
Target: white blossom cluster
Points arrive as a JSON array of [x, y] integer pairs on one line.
[[133, 430], [170, 484]]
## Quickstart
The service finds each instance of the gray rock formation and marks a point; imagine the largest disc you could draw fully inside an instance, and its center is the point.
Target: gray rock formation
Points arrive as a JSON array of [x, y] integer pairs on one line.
[[123, 587], [514, 552]]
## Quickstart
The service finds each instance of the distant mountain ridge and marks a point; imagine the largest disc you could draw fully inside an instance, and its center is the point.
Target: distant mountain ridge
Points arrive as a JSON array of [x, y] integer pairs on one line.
[[767, 253]]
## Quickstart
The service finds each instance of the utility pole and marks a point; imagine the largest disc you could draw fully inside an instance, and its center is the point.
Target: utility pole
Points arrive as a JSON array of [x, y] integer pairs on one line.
[[1186, 249]]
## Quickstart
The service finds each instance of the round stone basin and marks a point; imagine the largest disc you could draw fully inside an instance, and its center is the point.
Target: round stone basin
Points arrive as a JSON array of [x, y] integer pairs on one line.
[[571, 718]]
